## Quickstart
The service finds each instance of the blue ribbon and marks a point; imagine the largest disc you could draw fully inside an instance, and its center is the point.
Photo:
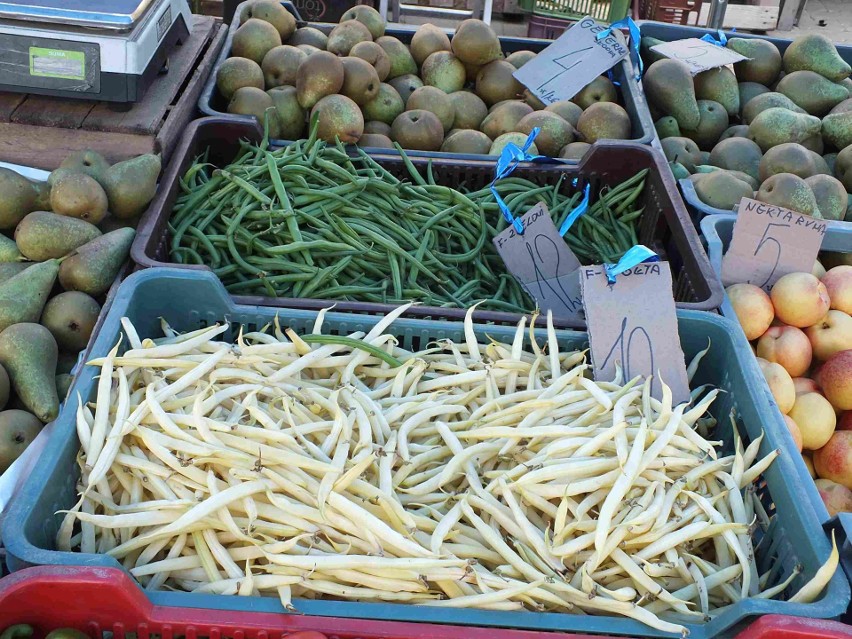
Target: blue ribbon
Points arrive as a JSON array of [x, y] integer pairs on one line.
[[579, 210], [721, 41], [510, 157], [635, 39], [635, 256]]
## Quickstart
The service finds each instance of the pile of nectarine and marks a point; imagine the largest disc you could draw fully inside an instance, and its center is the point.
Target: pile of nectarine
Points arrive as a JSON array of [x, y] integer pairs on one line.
[[801, 333]]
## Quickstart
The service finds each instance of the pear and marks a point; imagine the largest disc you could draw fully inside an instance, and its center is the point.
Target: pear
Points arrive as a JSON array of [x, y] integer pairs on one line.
[[320, 75], [8, 270], [426, 40], [93, 267], [9, 251], [23, 296], [777, 125], [43, 236], [29, 353], [291, 115], [401, 61], [86, 161], [17, 198], [368, 16], [814, 52], [811, 91], [346, 35], [719, 85], [764, 60], [5, 388], [670, 87], [18, 429], [131, 185], [71, 318]]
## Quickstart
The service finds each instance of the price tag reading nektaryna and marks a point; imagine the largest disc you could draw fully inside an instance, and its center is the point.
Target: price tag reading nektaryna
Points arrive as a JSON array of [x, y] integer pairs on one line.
[[769, 242], [573, 60], [633, 322], [699, 55], [542, 262]]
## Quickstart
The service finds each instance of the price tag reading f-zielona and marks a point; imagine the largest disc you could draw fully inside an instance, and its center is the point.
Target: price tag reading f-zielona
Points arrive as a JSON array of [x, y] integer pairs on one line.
[[633, 323], [573, 60], [769, 242]]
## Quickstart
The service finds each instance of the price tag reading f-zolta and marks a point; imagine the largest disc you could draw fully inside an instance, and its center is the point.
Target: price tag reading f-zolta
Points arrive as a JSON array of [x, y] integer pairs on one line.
[[633, 322], [543, 264], [698, 55], [769, 242], [573, 60]]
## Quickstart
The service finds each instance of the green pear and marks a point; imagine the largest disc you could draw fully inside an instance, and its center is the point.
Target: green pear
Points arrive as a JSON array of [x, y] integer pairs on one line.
[[670, 87], [86, 161], [42, 236], [777, 125], [9, 251], [815, 52], [131, 185], [719, 85], [17, 198], [23, 296], [764, 60], [93, 267], [811, 91], [837, 129], [8, 270], [28, 352]]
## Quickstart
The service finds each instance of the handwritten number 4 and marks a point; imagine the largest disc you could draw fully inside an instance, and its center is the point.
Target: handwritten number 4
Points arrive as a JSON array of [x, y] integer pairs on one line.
[[558, 62]]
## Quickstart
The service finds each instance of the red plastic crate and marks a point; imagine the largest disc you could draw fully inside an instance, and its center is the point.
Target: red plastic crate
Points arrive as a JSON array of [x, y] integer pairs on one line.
[[782, 627], [671, 11], [97, 600]]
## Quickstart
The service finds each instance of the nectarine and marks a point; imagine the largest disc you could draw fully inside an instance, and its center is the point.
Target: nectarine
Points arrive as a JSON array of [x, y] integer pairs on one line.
[[830, 335], [800, 299], [835, 377], [805, 385], [838, 281], [837, 498], [815, 418], [788, 346], [753, 308], [793, 427], [834, 460], [780, 384]]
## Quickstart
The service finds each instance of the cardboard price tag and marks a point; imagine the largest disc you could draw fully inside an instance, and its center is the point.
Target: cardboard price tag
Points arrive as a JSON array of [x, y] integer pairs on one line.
[[542, 262], [769, 242], [633, 322], [699, 55], [572, 61]]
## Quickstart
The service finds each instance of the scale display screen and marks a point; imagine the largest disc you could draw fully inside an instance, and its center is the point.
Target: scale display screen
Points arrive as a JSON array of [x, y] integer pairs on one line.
[[56, 63]]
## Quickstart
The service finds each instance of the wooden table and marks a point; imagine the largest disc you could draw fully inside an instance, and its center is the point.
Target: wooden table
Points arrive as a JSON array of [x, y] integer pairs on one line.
[[39, 131]]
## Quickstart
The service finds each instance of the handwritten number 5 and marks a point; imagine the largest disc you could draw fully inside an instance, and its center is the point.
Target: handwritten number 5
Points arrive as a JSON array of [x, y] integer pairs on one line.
[[765, 239]]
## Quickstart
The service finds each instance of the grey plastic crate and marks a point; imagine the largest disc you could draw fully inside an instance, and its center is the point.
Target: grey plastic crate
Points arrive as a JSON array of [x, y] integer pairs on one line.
[[210, 103], [193, 299], [670, 32]]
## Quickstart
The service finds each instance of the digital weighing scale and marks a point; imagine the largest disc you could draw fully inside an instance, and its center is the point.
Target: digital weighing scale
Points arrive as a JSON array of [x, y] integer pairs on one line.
[[90, 49]]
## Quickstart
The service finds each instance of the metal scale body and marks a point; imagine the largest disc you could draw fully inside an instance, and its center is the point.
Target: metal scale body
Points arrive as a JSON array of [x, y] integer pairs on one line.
[[89, 49]]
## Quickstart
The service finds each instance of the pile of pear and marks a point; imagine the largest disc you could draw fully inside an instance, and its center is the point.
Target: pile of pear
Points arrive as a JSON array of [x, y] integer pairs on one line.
[[450, 93], [63, 242], [774, 127]]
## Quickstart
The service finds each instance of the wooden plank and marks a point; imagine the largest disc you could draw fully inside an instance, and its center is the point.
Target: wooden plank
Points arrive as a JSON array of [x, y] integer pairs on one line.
[[45, 147], [42, 110], [789, 11], [184, 111], [147, 115], [745, 17], [8, 103], [211, 8]]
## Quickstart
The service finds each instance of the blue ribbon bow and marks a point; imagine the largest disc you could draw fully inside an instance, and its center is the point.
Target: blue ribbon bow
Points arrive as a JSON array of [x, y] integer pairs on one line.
[[635, 39], [635, 256], [721, 41], [510, 157]]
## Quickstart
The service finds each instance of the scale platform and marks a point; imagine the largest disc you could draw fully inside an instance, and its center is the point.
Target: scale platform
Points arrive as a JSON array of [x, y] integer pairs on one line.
[[90, 49]]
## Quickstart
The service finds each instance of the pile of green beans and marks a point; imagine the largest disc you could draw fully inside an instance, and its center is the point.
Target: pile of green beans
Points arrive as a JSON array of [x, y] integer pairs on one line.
[[310, 220]]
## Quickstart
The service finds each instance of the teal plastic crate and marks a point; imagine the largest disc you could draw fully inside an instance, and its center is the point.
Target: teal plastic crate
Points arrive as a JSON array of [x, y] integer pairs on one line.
[[717, 231], [191, 300]]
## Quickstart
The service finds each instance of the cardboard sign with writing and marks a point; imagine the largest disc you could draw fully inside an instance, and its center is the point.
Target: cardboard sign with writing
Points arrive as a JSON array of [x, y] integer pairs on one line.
[[633, 322], [572, 61], [770, 242], [542, 262], [699, 55]]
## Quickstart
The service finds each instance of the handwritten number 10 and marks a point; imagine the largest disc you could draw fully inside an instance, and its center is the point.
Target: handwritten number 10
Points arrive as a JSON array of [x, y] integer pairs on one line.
[[625, 351]]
